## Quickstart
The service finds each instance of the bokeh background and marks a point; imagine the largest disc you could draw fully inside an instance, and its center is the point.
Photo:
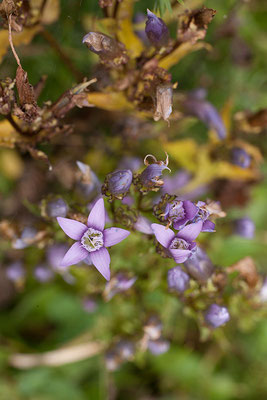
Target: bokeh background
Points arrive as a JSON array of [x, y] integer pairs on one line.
[[228, 363]]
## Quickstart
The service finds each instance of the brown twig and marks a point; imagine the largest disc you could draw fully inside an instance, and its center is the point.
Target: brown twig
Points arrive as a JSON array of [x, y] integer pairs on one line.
[[11, 41], [64, 57], [14, 124]]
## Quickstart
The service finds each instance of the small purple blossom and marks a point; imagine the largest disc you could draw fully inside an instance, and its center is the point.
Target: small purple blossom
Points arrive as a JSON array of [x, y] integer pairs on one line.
[[199, 265], [89, 304], [125, 349], [216, 316], [244, 227], [178, 280], [91, 239], [203, 215], [120, 283], [156, 30], [180, 212], [27, 237], [240, 157], [43, 274], [55, 255], [179, 246], [15, 271], [159, 346], [207, 113], [56, 208]]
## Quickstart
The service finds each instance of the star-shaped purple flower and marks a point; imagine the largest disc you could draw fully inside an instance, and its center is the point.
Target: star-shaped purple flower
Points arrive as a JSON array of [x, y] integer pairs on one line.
[[179, 246], [91, 239]]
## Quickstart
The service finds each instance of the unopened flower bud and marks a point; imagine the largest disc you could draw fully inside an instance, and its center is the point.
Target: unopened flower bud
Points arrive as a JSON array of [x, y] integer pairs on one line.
[[117, 184], [199, 265], [244, 227], [156, 30], [207, 113], [216, 316], [159, 346], [143, 225], [56, 208], [150, 178], [178, 280], [111, 52], [240, 157], [15, 271], [43, 274]]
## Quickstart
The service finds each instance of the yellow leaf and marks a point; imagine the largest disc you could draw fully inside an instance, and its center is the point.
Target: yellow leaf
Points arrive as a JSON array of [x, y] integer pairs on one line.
[[8, 136], [127, 36], [114, 101], [50, 13], [23, 37], [11, 164], [185, 48], [184, 152]]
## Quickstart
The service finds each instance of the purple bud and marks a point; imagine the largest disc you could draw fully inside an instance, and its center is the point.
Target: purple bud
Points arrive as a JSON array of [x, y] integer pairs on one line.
[[156, 30], [43, 274], [120, 283], [143, 225], [240, 157], [263, 291], [55, 255], [26, 239], [244, 227], [125, 349], [199, 265], [159, 346], [178, 280], [153, 327], [150, 177], [207, 113], [89, 304], [15, 271], [89, 183], [119, 182], [216, 316], [56, 208]]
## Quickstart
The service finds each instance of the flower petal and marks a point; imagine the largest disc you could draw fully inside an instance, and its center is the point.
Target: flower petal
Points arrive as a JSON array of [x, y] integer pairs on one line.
[[180, 255], [101, 260], [96, 217], [74, 255], [114, 235], [190, 232], [163, 235], [190, 208], [208, 226], [74, 229]]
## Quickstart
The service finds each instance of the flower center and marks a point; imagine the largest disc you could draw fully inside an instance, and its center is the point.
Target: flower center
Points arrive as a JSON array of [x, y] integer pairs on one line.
[[92, 240], [178, 243]]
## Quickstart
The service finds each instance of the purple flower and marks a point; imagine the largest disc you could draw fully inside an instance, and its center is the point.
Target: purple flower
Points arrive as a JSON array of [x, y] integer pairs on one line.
[[56, 208], [43, 274], [159, 346], [240, 157], [180, 246], [156, 30], [203, 215], [120, 283], [207, 113], [26, 239], [139, 20], [199, 265], [173, 183], [143, 225], [15, 271], [178, 280], [91, 239], [180, 212], [244, 227], [216, 316]]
